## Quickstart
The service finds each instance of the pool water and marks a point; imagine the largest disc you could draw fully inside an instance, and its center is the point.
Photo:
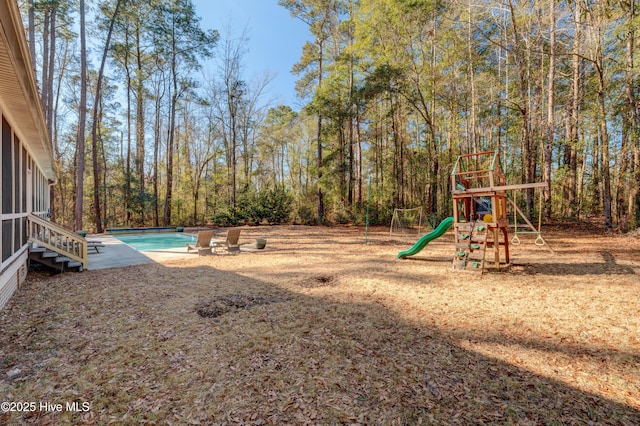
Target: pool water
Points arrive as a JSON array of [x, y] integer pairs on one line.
[[160, 241]]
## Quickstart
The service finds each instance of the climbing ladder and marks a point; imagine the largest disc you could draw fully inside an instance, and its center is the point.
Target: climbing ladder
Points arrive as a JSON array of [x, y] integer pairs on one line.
[[471, 246]]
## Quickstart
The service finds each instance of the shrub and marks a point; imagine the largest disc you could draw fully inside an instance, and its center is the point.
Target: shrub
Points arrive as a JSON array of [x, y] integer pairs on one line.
[[247, 209], [270, 205], [225, 218], [274, 205], [342, 217], [380, 215], [305, 216]]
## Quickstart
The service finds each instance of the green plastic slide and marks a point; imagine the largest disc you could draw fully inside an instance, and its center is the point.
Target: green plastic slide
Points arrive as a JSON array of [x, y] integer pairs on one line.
[[426, 239]]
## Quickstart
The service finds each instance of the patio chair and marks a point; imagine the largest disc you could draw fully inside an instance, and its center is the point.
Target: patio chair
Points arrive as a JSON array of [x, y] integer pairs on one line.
[[203, 243], [230, 245]]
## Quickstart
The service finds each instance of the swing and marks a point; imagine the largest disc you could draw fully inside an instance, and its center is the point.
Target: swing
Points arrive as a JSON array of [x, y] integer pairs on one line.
[[515, 240]]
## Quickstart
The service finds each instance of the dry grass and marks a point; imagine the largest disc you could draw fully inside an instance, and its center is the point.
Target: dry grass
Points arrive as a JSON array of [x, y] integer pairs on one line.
[[323, 329]]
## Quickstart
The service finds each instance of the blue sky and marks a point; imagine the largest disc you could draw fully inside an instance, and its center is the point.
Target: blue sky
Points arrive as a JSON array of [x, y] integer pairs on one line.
[[275, 39]]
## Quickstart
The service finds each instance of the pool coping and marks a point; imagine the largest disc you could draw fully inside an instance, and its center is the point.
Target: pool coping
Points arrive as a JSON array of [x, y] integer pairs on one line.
[[142, 230]]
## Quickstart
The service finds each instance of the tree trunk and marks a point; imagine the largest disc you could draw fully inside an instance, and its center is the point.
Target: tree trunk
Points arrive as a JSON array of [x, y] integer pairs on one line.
[[127, 184], [105, 193], [233, 147], [528, 152], [32, 34], [82, 118], [49, 83], [472, 82], [598, 61], [570, 189], [359, 158], [140, 133], [172, 132], [549, 142], [633, 207], [319, 139], [156, 155], [96, 120], [604, 139], [45, 62]]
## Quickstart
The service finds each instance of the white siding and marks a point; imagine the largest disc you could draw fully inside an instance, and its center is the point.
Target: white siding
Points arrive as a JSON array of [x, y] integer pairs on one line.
[[10, 279]]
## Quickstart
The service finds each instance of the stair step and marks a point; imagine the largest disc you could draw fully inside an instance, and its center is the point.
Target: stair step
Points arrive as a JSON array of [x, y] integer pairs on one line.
[[54, 260], [75, 264]]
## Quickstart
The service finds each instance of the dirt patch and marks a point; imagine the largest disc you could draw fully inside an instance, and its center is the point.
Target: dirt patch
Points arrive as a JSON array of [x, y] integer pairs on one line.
[[231, 303], [318, 281]]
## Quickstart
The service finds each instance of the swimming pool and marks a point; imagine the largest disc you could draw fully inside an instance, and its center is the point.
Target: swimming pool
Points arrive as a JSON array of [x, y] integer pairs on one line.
[[157, 241]]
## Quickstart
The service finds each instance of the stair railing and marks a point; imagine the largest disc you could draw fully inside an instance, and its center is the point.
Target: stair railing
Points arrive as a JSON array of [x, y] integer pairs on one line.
[[54, 237]]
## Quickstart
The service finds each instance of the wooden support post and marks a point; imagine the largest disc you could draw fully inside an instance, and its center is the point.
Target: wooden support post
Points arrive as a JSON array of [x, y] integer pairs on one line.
[[456, 218], [505, 234], [495, 215], [496, 247]]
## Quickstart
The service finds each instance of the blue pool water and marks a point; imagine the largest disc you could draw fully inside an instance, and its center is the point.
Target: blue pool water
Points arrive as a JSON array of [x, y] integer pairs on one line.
[[159, 241]]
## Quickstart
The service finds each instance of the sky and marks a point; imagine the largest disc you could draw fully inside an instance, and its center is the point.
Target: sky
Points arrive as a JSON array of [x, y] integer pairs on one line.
[[275, 40]]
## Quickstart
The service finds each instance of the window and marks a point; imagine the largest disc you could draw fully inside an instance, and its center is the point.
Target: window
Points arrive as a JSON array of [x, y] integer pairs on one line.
[[17, 234], [7, 170], [24, 180], [7, 227], [24, 230], [34, 185], [16, 175]]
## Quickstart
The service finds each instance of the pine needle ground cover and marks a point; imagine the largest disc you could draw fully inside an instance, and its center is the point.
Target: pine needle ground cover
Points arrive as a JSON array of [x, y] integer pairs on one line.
[[320, 328]]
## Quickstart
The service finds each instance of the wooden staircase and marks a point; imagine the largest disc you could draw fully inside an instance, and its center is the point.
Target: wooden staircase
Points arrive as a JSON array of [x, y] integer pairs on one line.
[[471, 246], [53, 259], [56, 247]]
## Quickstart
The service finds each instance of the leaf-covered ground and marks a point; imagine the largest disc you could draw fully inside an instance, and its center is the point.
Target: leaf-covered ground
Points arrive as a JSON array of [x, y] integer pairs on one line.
[[321, 328]]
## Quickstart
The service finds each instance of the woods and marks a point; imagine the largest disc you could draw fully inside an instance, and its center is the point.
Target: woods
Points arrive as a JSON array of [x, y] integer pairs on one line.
[[393, 92]]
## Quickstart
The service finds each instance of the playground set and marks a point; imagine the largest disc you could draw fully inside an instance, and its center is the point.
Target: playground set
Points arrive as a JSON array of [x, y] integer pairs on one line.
[[480, 220]]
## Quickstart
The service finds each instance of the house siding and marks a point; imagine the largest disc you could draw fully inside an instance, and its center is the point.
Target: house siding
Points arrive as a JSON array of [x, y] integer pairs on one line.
[[11, 278]]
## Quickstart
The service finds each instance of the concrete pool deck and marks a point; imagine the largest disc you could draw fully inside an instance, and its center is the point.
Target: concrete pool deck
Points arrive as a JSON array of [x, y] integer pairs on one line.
[[116, 254]]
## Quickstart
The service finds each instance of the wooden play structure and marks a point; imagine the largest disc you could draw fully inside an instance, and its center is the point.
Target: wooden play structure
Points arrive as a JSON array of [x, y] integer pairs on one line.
[[481, 223]]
